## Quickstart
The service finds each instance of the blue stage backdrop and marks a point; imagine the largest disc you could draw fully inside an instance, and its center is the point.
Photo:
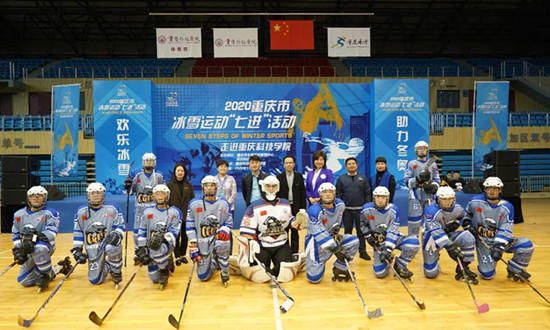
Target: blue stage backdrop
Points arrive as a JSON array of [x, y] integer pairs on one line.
[[122, 123], [199, 124], [66, 101], [399, 120], [491, 118]]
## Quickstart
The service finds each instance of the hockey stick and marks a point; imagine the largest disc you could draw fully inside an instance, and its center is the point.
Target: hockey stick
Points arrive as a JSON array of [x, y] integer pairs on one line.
[[27, 323], [289, 302], [7, 268], [370, 314], [420, 304], [484, 308], [172, 318], [523, 278], [127, 215], [98, 320]]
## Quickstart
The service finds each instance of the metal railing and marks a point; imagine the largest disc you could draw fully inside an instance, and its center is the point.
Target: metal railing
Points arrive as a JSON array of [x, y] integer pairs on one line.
[[414, 71], [440, 120], [113, 71], [263, 71]]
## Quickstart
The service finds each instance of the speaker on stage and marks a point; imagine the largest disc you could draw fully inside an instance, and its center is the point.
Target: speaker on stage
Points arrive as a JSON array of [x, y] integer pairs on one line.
[[54, 194], [504, 164], [17, 179], [502, 158]]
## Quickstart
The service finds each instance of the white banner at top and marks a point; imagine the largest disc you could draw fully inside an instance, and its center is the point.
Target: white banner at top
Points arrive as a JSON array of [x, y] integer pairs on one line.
[[352, 42], [236, 42], [179, 43]]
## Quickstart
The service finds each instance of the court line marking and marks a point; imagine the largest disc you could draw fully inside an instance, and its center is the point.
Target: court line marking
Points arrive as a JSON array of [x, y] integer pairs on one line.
[[278, 322], [303, 317]]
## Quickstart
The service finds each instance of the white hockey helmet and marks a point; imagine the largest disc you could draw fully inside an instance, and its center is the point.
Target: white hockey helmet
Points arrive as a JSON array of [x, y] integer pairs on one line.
[[270, 193], [37, 191], [445, 197], [493, 181], [209, 179], [96, 194], [419, 145], [149, 160], [163, 189], [327, 187], [381, 191]]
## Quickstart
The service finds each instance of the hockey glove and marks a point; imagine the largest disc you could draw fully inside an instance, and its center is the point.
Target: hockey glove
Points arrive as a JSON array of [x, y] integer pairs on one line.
[[79, 256], [450, 227], [369, 237], [454, 252], [155, 241], [27, 246], [301, 221], [466, 224], [340, 254], [113, 238], [497, 250], [423, 177], [386, 254], [194, 252], [18, 256], [128, 182], [141, 254], [431, 188], [223, 234]]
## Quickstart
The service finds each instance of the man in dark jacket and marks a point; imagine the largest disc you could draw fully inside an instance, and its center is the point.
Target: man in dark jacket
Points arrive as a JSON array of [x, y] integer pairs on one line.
[[250, 185]]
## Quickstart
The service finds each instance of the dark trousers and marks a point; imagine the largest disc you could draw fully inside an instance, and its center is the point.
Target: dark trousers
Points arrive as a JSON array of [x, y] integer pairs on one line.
[[276, 255], [350, 218], [181, 242]]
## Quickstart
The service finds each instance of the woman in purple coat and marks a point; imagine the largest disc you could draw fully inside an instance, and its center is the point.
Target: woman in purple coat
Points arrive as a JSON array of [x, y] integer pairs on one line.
[[317, 176]]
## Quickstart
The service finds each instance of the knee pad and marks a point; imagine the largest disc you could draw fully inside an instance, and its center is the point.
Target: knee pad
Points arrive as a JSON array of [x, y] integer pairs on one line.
[[234, 268], [289, 270], [222, 248], [255, 274]]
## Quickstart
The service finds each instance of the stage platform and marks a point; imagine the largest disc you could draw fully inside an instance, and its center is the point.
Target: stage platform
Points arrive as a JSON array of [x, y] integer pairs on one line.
[[67, 207]]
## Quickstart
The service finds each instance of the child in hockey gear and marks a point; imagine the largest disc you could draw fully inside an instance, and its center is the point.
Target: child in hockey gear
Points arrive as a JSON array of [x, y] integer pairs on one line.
[[99, 228], [323, 237], [490, 219], [33, 233], [441, 223], [157, 234], [208, 227], [264, 236], [380, 225], [142, 185], [422, 179]]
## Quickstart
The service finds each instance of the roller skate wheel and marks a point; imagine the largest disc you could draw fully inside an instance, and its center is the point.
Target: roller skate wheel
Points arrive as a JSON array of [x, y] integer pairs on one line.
[[282, 309]]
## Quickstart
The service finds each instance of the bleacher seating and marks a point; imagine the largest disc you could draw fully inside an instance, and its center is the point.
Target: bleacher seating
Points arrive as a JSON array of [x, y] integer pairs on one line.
[[114, 68], [402, 67], [15, 68], [465, 119], [512, 67], [42, 123], [262, 67]]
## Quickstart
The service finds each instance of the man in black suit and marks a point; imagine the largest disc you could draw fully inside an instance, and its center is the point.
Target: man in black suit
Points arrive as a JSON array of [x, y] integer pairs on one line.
[[296, 196], [250, 185]]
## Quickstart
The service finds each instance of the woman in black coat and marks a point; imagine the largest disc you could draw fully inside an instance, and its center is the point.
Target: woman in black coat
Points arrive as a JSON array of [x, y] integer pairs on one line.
[[181, 193]]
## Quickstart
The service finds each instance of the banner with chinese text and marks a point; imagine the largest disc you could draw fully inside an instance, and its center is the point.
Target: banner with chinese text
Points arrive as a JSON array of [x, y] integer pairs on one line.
[[491, 119], [179, 43], [122, 124], [348, 42], [236, 42], [65, 111], [399, 120]]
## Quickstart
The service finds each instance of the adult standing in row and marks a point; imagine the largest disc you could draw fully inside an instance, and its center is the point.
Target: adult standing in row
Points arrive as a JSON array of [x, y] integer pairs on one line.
[[227, 186], [354, 189], [293, 189], [317, 176], [181, 193], [250, 184], [383, 177]]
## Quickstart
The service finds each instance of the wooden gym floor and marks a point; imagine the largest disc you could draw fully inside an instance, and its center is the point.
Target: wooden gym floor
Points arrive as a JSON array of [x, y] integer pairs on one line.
[[328, 305]]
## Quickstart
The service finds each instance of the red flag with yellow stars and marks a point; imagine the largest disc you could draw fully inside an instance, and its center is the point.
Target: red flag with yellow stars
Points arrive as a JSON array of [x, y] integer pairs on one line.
[[295, 34]]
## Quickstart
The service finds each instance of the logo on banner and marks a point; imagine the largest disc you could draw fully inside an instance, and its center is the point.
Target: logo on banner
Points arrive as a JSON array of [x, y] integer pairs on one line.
[[162, 40], [172, 100], [341, 42], [491, 135], [121, 90], [493, 95], [402, 89], [67, 98]]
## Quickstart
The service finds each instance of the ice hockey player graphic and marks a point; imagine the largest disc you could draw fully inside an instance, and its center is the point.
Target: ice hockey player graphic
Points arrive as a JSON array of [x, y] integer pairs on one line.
[[142, 186], [490, 219], [98, 232], [33, 234], [380, 225], [264, 237], [422, 179], [208, 227], [323, 237], [441, 231], [160, 225]]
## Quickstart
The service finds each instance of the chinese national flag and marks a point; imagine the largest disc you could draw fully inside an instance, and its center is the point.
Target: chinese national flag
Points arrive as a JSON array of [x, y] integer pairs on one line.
[[295, 34]]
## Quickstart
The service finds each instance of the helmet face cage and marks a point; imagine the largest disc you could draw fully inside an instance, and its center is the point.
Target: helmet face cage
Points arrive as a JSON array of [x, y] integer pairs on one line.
[[421, 148], [381, 201], [493, 188], [149, 160], [95, 194], [37, 197], [446, 197], [161, 194], [209, 185], [270, 186], [327, 193]]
